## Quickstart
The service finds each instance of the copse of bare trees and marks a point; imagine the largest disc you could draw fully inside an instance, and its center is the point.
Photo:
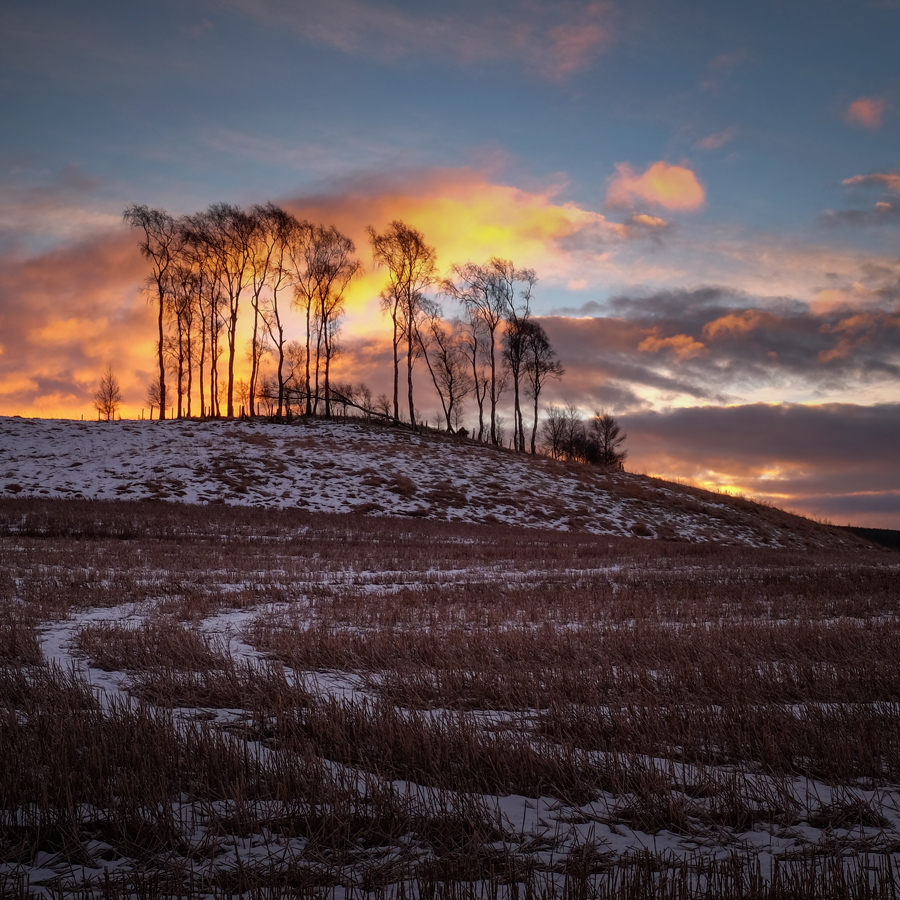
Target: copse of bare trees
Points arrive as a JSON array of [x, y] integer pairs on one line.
[[206, 265], [410, 265], [207, 268], [598, 441]]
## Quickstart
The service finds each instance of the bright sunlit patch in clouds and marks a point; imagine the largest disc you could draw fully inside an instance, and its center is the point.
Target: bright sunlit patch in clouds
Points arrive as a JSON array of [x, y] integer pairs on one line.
[[465, 216], [671, 187]]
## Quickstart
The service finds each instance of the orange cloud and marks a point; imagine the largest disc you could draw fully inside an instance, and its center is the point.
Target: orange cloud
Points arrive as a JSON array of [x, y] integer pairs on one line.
[[648, 221], [891, 180], [465, 216], [734, 323], [65, 314], [867, 112], [682, 345], [672, 187], [573, 44]]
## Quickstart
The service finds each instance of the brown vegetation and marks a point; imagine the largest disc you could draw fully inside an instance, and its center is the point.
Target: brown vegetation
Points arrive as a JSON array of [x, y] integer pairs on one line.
[[388, 679]]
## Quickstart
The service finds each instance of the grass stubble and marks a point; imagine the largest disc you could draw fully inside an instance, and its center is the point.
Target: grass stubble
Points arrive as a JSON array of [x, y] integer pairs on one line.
[[325, 705]]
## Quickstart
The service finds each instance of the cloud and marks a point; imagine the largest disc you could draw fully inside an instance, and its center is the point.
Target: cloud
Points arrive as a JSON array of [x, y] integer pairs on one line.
[[792, 454], [552, 40], [66, 314], [67, 311], [719, 345], [882, 213], [642, 220], [465, 216], [867, 112], [719, 139], [40, 208], [672, 187], [682, 345], [890, 180]]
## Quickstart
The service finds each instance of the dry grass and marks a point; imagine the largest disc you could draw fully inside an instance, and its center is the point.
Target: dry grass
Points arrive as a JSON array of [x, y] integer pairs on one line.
[[675, 688]]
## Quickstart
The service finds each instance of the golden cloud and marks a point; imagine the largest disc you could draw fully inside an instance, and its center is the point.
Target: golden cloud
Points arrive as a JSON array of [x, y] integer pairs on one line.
[[672, 187], [682, 345], [465, 216], [735, 323]]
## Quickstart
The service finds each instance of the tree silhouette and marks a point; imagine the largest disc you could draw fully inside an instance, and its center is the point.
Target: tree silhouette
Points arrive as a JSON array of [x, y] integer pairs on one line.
[[108, 396], [604, 441], [491, 294], [163, 242], [540, 365], [410, 263]]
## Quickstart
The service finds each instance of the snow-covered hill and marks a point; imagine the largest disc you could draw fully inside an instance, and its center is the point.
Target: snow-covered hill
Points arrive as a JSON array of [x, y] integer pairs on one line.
[[349, 466]]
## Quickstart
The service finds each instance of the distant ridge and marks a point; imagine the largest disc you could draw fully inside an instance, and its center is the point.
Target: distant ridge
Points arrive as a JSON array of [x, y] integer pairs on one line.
[[885, 537], [350, 466]]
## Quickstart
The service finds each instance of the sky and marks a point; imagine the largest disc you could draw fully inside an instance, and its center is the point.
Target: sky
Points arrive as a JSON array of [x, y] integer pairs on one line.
[[708, 192]]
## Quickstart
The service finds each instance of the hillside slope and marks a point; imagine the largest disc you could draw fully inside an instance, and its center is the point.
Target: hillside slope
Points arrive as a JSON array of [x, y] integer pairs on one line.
[[346, 466]]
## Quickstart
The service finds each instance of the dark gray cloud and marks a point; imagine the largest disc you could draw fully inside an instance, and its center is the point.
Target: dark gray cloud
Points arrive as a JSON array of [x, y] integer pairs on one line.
[[793, 453], [712, 343], [883, 213]]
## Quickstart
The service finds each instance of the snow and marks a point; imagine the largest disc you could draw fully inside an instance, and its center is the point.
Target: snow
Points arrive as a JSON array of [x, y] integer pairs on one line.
[[337, 467], [345, 466]]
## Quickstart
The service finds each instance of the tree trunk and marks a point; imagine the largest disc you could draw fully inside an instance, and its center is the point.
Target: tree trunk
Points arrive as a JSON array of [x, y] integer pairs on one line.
[[162, 363], [409, 378], [493, 394], [396, 371]]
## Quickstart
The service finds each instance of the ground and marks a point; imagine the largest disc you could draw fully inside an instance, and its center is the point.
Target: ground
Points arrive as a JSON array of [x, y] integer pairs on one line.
[[211, 700]]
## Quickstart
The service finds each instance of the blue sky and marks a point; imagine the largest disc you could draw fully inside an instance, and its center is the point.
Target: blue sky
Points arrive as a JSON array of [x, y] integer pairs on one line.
[[636, 154]]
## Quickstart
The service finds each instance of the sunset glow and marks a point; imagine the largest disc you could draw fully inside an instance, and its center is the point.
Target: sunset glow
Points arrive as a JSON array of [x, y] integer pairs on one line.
[[710, 199]]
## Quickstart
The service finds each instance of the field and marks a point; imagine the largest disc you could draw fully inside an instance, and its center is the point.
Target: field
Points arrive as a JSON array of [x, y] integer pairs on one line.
[[211, 701]]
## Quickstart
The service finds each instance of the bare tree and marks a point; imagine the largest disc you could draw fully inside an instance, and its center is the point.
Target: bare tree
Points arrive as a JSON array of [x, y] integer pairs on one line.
[[475, 343], [410, 264], [108, 396], [293, 387], [553, 431], [445, 355], [564, 433], [229, 233], [152, 396], [336, 266], [604, 441], [540, 364], [490, 294], [162, 245], [277, 229], [183, 298], [323, 263], [516, 286]]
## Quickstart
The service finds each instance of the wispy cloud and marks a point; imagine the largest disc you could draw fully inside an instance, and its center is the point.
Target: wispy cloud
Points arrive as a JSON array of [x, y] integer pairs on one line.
[[553, 41], [867, 112], [718, 139], [888, 180], [668, 186], [41, 208]]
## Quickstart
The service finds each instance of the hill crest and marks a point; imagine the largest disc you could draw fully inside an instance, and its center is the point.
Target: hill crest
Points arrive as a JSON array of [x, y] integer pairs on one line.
[[350, 466]]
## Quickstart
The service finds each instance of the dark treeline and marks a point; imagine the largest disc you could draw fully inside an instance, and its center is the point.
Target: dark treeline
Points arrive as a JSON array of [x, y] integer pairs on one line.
[[211, 269]]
